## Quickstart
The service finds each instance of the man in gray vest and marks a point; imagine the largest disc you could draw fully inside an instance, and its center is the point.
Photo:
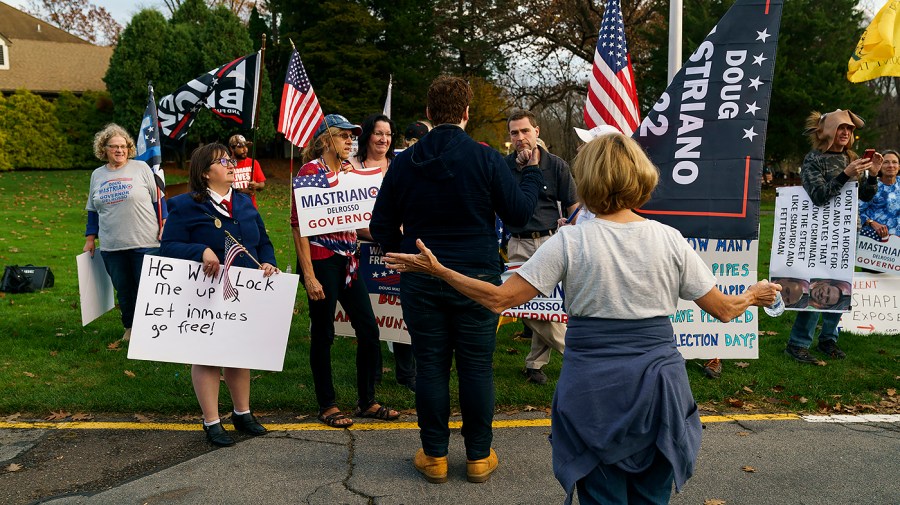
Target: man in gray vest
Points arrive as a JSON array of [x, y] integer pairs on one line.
[[557, 195]]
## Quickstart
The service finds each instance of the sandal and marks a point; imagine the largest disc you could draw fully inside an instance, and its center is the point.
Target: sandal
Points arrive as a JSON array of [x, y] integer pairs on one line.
[[334, 420], [382, 413]]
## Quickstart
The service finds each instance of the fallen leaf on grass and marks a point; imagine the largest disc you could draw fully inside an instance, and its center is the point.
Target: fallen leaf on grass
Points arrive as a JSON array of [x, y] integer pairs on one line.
[[768, 333], [13, 467], [12, 418], [529, 408], [114, 346], [53, 353], [28, 374], [56, 416], [714, 501], [142, 418], [748, 469], [778, 388], [129, 373], [747, 390], [734, 402], [742, 364], [301, 417], [82, 417], [510, 350], [891, 392]]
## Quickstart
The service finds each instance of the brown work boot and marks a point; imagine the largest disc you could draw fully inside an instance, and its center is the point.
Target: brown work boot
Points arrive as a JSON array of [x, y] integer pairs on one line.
[[434, 469], [478, 470]]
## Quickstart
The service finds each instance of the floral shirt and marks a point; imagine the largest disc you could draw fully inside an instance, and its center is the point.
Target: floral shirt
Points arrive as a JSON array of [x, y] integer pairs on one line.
[[884, 208]]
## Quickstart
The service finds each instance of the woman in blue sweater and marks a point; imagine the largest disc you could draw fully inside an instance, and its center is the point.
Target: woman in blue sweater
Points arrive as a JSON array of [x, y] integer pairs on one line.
[[195, 231]]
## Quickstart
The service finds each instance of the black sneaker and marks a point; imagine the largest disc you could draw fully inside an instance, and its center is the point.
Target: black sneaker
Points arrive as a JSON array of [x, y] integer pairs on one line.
[[801, 355], [535, 375], [830, 349]]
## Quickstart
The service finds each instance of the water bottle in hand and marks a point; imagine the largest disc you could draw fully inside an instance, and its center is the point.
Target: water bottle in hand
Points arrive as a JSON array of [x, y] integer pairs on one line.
[[777, 307]]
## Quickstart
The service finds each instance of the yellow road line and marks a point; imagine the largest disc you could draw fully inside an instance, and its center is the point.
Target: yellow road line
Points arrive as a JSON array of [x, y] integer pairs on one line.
[[315, 426]]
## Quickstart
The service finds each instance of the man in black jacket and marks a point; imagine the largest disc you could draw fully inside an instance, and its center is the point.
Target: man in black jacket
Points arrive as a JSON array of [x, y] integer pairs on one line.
[[446, 190]]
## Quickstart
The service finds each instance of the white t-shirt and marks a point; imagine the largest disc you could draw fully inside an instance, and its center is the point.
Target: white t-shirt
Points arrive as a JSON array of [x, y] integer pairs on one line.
[[124, 199], [619, 270]]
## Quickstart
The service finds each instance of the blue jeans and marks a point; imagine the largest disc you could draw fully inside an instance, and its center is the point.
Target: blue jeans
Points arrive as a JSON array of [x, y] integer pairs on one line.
[[444, 324], [124, 269], [805, 327], [610, 485]]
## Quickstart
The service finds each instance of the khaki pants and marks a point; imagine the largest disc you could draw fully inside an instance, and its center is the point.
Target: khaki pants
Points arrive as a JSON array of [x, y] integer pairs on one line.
[[547, 336]]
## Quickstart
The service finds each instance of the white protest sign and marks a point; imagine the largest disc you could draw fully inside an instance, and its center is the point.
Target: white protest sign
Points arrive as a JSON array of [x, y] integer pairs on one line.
[[542, 308], [875, 307], [699, 335], [183, 317], [813, 249], [877, 255], [383, 286], [336, 202], [94, 287]]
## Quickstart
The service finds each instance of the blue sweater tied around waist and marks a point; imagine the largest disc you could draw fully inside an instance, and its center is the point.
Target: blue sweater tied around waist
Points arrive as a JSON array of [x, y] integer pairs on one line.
[[623, 393]]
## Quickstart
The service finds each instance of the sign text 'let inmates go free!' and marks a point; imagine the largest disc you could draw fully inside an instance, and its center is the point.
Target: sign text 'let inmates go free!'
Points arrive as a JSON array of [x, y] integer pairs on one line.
[[333, 202], [182, 316]]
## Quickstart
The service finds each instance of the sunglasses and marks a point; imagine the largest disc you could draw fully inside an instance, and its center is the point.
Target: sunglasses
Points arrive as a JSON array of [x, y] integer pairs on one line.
[[345, 136], [235, 146]]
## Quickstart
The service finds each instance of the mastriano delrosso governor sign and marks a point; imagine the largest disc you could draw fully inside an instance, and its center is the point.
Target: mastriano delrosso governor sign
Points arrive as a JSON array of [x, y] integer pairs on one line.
[[336, 201]]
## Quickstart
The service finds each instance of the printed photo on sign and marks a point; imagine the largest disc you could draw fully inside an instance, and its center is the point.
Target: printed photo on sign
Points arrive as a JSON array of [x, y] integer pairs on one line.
[[875, 305], [814, 249], [336, 202], [699, 335], [183, 316]]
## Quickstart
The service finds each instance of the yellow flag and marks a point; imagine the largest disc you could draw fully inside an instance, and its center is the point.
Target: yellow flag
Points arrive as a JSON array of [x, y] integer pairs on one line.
[[876, 53]]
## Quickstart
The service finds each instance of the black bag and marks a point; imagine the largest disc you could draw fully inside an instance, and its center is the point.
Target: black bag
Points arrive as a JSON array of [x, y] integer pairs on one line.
[[26, 279], [15, 281]]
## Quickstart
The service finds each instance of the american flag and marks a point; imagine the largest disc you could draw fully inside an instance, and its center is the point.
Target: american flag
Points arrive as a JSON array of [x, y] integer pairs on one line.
[[148, 149], [232, 249], [317, 180], [869, 232], [300, 113], [612, 95]]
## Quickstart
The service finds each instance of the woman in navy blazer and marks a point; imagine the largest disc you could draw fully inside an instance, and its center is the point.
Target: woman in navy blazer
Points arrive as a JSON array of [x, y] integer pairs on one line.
[[195, 231]]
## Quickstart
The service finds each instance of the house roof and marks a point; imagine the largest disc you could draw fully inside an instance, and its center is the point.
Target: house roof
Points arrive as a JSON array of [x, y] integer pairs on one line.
[[15, 24], [47, 60], [51, 67]]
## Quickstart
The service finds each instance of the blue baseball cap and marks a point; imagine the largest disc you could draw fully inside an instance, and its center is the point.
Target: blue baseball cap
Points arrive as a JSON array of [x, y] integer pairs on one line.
[[338, 121]]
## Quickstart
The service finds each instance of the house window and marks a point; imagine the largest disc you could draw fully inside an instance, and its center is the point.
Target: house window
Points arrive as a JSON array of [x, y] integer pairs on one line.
[[4, 55]]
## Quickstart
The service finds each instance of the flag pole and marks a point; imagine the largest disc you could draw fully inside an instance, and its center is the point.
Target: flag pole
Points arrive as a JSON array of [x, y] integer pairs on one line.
[[242, 248], [291, 164], [255, 125], [159, 193]]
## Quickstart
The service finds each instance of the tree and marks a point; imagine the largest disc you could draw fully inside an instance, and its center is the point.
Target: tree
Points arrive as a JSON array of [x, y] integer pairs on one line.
[[5, 162], [78, 17], [79, 118], [32, 136]]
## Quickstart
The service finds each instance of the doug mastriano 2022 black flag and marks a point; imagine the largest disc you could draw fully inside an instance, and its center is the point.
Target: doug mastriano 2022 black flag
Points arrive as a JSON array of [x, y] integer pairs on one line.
[[707, 132]]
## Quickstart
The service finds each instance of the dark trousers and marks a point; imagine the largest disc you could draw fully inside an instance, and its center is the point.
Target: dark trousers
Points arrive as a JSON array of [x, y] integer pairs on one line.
[[124, 269], [444, 324], [610, 485], [404, 364], [331, 273]]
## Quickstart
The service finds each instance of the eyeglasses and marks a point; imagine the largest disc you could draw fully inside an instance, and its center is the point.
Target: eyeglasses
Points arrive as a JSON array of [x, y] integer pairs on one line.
[[382, 134], [235, 146], [227, 161], [346, 136], [116, 148]]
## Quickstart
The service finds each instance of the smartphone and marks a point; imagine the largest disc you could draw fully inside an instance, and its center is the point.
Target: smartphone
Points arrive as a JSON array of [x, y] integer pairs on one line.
[[869, 154]]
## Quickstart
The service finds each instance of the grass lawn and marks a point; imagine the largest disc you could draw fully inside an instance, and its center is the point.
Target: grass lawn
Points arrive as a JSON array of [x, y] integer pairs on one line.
[[50, 363]]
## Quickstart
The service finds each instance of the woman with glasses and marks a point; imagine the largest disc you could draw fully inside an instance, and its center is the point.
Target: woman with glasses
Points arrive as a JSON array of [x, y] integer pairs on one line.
[[376, 149], [196, 231], [123, 211], [882, 213], [328, 264]]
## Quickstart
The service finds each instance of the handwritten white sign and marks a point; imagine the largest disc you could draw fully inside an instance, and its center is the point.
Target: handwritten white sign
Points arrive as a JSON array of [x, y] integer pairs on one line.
[[336, 202], [875, 305], [183, 317], [94, 287]]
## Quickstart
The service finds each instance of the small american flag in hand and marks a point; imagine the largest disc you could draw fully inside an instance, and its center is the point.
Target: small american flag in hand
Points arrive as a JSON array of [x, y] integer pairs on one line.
[[232, 250]]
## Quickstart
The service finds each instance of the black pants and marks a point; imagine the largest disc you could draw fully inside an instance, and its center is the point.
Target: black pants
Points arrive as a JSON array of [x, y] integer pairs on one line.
[[331, 274], [404, 364]]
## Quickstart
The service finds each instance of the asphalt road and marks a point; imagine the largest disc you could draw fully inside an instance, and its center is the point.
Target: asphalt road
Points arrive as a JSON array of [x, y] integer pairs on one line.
[[744, 460]]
